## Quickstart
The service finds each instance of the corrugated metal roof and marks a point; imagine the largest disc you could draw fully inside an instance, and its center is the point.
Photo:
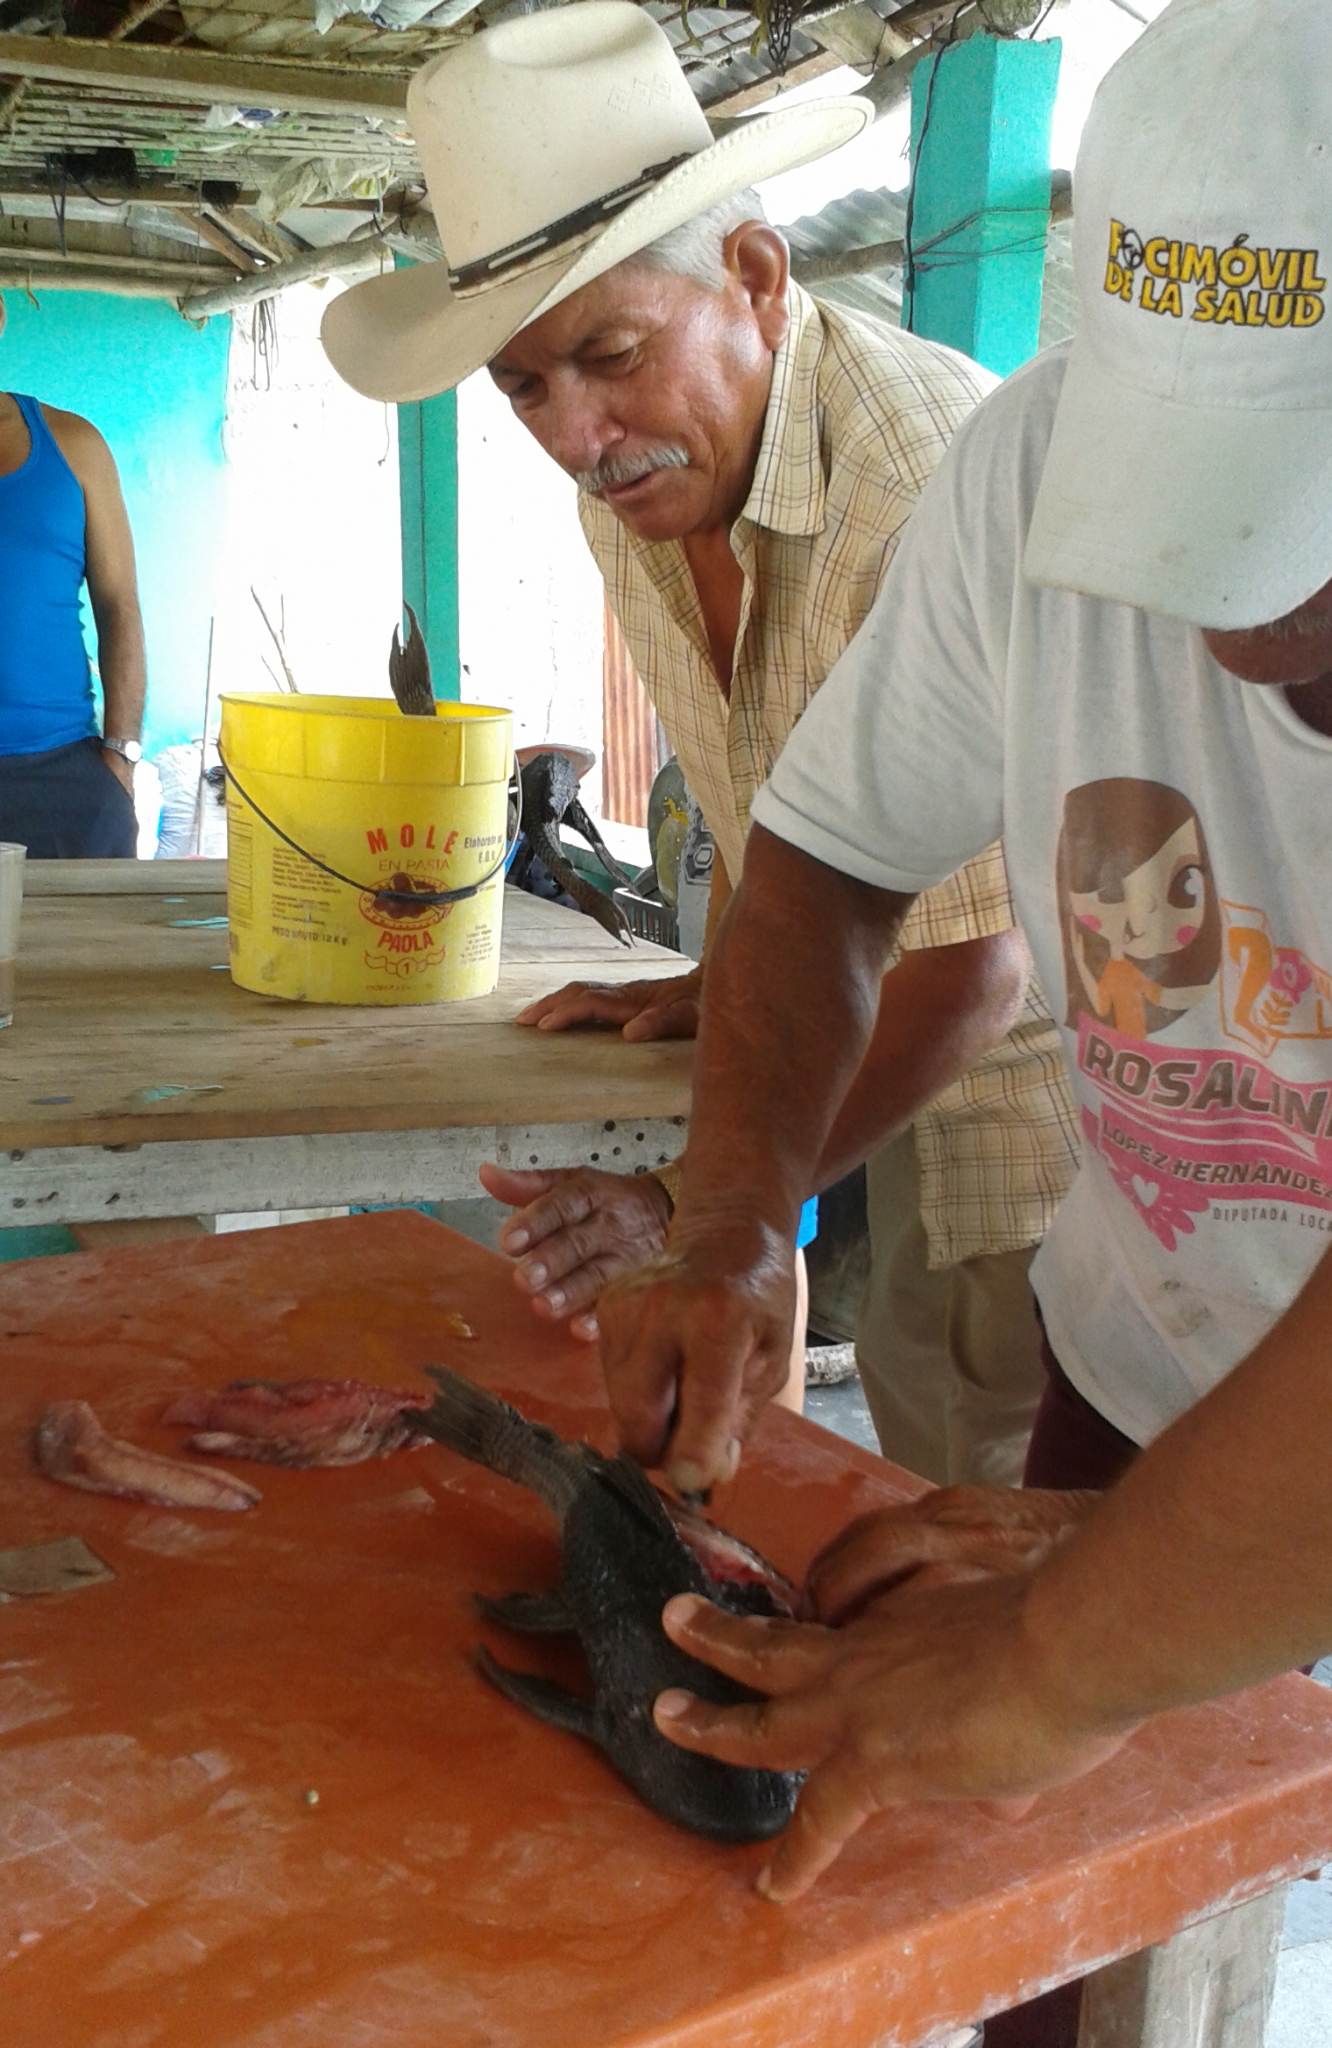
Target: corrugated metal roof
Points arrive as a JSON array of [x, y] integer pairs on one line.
[[721, 50], [864, 218]]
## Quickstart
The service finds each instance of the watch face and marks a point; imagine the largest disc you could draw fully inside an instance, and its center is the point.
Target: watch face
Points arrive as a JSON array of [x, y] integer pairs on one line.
[[129, 750]]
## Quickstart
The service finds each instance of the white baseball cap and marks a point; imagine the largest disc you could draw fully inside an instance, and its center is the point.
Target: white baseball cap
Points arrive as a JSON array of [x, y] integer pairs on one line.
[[1190, 469]]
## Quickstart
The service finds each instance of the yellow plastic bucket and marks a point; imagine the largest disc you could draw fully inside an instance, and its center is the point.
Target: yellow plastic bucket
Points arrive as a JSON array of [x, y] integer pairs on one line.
[[341, 814]]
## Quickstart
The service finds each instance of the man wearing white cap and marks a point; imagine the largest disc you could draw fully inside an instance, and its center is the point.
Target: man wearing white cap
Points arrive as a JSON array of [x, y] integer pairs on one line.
[[1108, 635], [747, 460]]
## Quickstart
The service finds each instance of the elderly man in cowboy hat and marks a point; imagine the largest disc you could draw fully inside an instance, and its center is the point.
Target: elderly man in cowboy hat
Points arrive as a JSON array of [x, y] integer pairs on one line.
[[746, 461]]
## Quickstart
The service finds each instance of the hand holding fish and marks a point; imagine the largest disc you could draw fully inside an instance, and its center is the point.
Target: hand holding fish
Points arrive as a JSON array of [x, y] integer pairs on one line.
[[696, 1344], [952, 1533], [575, 1229], [667, 1008], [940, 1692]]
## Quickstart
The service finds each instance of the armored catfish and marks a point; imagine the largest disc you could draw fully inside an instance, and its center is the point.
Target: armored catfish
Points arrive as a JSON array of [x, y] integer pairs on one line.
[[626, 1549]]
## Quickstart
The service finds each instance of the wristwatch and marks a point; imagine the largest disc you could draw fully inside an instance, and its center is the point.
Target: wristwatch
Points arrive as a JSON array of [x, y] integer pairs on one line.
[[129, 750]]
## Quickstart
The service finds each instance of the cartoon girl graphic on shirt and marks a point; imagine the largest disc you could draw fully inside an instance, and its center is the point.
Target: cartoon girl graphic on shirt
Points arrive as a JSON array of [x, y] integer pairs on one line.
[[1138, 908]]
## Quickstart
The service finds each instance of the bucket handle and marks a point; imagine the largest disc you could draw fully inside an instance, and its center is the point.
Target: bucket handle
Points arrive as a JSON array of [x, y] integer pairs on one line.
[[424, 899]]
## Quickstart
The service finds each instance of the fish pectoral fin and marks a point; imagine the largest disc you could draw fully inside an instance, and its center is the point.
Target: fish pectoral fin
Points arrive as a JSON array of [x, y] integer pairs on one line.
[[550, 1703], [536, 1614]]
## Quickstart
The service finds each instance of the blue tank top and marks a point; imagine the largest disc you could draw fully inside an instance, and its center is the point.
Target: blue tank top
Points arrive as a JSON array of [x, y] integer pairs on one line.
[[46, 696]]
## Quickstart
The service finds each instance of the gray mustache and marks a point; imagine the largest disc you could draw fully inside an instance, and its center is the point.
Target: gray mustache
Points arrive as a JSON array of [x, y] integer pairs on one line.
[[627, 469]]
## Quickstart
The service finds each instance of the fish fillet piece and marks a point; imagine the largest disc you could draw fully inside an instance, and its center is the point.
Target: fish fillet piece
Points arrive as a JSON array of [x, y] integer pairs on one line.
[[299, 1422], [71, 1446]]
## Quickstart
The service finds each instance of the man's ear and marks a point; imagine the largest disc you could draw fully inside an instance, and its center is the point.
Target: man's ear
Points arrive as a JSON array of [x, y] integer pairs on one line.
[[756, 255]]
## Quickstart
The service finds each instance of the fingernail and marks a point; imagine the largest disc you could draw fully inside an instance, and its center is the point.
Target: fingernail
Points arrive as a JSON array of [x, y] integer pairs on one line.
[[670, 1705], [763, 1883], [555, 1296], [731, 1462], [687, 1477], [536, 1276], [517, 1240], [683, 1608]]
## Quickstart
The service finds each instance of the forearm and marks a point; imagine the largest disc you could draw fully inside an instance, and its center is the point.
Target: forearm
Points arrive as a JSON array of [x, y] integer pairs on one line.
[[1209, 1567], [940, 1009], [122, 663], [790, 999], [719, 895]]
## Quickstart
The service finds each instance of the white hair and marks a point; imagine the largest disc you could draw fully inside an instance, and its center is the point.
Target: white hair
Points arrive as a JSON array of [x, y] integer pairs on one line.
[[694, 249]]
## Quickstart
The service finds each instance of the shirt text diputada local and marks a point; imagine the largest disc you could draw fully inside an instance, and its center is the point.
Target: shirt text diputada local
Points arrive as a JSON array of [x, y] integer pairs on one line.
[[1239, 285]]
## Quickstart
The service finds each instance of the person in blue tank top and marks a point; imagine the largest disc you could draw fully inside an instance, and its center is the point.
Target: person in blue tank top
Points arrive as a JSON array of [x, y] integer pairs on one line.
[[66, 790]]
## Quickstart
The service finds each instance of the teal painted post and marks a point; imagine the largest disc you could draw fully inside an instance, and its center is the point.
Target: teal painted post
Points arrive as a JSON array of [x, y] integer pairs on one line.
[[428, 495], [980, 150]]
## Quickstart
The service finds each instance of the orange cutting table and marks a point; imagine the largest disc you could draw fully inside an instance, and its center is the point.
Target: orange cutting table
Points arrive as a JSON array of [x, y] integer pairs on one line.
[[468, 1878]]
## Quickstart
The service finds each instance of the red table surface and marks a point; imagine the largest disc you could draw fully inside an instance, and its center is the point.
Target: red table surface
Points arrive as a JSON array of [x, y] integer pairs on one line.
[[470, 1878]]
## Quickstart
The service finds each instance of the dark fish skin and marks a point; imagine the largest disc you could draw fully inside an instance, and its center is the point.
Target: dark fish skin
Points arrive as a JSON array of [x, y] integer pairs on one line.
[[409, 671], [624, 1554]]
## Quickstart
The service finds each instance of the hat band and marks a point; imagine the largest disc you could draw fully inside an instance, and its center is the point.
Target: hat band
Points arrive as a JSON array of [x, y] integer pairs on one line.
[[567, 229]]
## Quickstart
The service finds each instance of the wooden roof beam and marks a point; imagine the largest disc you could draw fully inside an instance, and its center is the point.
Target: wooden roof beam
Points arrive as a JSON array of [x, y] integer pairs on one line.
[[339, 259], [71, 277], [18, 258], [171, 194], [201, 77], [217, 237]]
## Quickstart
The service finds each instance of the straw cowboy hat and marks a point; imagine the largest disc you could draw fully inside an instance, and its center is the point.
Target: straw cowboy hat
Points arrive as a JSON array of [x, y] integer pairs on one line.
[[553, 147]]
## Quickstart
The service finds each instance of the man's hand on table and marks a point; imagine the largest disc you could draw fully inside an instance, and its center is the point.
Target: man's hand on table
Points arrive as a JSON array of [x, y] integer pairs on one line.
[[575, 1229], [644, 1009], [721, 1297], [952, 1533], [937, 1692]]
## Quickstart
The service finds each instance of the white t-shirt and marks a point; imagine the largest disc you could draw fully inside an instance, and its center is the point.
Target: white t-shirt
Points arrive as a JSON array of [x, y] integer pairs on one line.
[[1168, 830]]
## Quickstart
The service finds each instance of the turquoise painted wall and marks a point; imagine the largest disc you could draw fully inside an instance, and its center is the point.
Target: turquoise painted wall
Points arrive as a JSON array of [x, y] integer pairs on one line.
[[157, 388]]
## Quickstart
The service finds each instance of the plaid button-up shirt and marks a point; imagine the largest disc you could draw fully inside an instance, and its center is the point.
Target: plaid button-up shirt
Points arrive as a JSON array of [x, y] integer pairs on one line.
[[857, 419]]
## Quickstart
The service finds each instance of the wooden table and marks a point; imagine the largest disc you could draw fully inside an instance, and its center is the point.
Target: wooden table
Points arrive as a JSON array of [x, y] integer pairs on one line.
[[137, 1080], [468, 1877]]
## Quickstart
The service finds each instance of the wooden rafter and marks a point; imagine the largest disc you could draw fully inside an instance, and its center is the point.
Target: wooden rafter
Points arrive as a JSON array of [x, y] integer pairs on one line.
[[12, 91], [135, 16], [765, 89], [335, 261], [172, 195], [43, 276], [111, 265], [210, 231], [251, 234], [200, 78]]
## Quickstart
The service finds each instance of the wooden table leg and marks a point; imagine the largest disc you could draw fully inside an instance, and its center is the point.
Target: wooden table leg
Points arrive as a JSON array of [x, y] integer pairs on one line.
[[1211, 1987]]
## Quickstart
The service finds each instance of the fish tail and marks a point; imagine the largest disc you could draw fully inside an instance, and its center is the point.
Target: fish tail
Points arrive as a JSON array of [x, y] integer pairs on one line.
[[479, 1426]]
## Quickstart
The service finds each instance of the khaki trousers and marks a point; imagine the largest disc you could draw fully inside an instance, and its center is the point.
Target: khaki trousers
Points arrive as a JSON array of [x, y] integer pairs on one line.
[[951, 1360]]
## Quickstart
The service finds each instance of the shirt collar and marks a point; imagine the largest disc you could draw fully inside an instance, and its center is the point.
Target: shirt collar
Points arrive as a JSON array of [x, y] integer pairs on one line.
[[789, 490]]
